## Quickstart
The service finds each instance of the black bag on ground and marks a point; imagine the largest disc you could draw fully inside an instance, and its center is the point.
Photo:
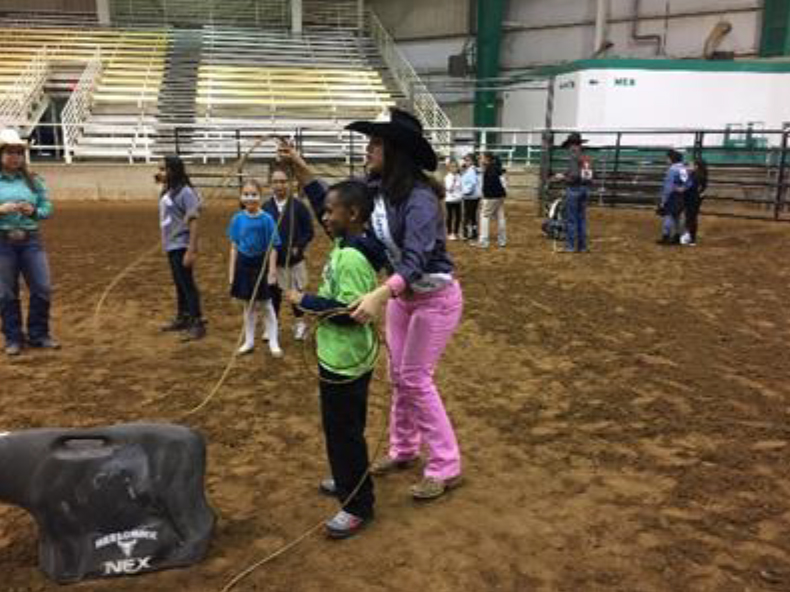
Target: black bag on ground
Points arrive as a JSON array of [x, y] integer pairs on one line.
[[554, 224], [110, 501]]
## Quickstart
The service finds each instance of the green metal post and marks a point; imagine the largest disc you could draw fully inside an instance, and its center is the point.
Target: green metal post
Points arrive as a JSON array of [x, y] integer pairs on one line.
[[776, 29], [490, 14]]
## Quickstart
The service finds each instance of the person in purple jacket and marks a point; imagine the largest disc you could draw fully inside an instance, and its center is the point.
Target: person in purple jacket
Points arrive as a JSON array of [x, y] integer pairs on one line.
[[422, 296]]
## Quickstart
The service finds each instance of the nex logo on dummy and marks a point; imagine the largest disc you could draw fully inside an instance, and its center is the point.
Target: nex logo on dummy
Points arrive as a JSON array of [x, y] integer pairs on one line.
[[126, 542], [127, 566]]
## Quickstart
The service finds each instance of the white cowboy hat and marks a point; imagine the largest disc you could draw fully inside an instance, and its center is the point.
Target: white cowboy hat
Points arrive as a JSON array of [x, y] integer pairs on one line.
[[10, 137]]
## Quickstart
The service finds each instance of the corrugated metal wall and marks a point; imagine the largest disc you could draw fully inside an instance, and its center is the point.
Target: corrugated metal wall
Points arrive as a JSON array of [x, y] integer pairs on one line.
[[80, 6], [242, 13]]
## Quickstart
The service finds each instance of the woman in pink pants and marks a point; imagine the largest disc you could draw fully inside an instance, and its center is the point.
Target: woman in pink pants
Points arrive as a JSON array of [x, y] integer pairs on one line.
[[422, 297]]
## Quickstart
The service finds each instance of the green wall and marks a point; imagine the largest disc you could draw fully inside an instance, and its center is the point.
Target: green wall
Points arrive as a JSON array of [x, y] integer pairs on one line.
[[490, 14], [776, 29]]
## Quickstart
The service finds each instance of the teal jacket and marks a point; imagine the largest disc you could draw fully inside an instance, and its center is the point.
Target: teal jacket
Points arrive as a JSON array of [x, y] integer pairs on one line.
[[14, 188]]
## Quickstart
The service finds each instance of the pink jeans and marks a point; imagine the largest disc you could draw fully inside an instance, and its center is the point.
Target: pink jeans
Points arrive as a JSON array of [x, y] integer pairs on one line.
[[418, 329]]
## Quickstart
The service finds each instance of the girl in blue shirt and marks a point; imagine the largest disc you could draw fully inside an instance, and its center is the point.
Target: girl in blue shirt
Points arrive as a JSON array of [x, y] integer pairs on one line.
[[253, 234]]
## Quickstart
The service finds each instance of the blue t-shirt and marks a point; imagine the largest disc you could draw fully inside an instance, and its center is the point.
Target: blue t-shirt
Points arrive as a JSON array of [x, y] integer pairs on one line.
[[252, 234]]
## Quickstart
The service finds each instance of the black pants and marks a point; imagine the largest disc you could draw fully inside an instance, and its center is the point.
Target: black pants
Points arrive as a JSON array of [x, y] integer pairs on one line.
[[453, 217], [692, 215], [344, 409], [277, 300], [187, 294], [470, 218]]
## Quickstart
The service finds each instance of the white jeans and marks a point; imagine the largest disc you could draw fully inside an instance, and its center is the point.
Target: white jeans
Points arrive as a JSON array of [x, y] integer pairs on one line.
[[493, 207]]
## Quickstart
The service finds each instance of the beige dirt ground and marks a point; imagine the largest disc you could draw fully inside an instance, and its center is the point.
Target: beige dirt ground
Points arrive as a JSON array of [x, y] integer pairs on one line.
[[623, 415]]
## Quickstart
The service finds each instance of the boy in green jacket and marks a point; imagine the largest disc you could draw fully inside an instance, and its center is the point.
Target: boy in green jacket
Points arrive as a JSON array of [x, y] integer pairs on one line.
[[347, 351]]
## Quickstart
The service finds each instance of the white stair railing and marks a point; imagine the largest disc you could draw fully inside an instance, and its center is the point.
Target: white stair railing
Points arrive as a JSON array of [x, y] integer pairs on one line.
[[17, 102], [420, 98], [76, 111]]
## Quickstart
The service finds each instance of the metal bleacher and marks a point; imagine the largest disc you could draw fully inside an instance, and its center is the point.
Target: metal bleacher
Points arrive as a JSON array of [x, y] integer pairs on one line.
[[128, 68], [270, 78], [204, 90]]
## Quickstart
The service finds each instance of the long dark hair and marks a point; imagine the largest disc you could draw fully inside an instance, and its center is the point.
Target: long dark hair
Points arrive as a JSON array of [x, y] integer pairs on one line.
[[177, 177], [27, 175], [701, 173], [401, 174]]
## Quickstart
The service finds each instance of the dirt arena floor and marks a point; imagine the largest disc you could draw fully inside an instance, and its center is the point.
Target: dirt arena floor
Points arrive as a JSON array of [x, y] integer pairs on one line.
[[624, 415]]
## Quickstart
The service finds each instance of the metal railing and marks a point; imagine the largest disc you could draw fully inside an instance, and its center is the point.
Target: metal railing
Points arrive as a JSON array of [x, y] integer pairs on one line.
[[748, 176], [421, 101], [748, 172], [78, 108], [18, 101]]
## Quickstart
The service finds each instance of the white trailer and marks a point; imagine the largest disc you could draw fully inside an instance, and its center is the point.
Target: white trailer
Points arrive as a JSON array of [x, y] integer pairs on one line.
[[637, 94]]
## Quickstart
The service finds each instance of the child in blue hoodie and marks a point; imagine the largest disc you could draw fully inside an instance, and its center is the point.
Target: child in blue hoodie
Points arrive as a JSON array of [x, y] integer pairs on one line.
[[672, 198], [346, 351]]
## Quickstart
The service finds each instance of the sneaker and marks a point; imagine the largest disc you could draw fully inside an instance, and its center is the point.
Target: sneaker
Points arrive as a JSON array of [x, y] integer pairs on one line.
[[44, 343], [176, 324], [300, 331], [431, 488], [13, 349], [275, 350], [502, 245], [452, 237], [344, 525], [328, 487], [386, 465], [196, 331], [245, 349]]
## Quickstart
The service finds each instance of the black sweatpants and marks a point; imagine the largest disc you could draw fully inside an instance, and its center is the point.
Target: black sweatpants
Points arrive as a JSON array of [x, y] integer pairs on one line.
[[453, 217], [344, 409], [470, 218], [692, 215], [187, 295]]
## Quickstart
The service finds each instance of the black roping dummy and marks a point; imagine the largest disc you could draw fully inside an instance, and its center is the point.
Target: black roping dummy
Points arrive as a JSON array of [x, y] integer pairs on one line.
[[110, 501]]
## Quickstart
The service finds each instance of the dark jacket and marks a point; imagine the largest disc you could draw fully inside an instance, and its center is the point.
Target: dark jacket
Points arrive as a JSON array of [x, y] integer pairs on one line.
[[695, 186], [417, 227], [492, 183], [302, 229]]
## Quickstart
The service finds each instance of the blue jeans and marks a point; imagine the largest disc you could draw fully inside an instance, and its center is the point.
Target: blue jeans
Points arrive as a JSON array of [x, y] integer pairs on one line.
[[670, 225], [27, 258], [576, 218]]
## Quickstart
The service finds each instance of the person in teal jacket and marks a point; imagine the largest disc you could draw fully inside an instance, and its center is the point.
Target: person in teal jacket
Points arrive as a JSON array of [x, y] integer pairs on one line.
[[23, 205], [347, 351]]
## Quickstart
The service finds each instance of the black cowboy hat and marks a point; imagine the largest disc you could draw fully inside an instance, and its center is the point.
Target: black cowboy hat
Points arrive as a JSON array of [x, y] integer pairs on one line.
[[573, 139], [403, 130]]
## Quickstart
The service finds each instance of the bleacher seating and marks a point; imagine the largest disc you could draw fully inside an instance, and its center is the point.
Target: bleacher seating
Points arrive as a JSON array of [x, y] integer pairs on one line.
[[274, 75], [245, 78]]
